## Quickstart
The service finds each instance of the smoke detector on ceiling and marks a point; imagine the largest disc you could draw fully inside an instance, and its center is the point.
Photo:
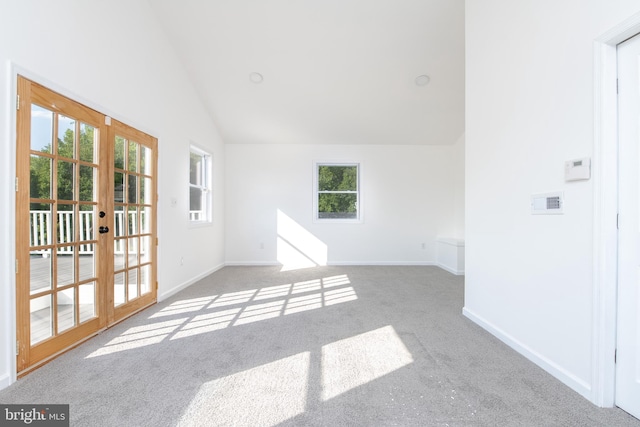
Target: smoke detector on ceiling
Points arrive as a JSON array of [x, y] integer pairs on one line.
[[256, 77], [423, 80]]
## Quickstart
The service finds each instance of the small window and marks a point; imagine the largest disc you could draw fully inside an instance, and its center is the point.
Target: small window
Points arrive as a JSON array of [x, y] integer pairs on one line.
[[199, 186], [337, 189]]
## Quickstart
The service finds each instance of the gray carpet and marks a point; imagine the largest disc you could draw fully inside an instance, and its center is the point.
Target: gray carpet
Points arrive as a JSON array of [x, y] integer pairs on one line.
[[329, 346]]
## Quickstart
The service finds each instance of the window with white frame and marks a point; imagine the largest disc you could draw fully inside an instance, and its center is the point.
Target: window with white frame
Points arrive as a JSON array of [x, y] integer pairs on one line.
[[199, 186], [337, 188]]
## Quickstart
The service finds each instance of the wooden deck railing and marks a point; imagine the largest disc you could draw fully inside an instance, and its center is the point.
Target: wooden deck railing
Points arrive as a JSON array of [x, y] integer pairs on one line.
[[41, 231], [196, 215]]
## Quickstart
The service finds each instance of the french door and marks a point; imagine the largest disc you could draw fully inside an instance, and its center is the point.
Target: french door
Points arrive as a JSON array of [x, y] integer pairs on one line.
[[628, 322], [85, 223], [131, 205]]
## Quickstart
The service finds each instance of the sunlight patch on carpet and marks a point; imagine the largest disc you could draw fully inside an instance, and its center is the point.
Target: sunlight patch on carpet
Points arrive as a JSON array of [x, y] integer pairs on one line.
[[185, 306], [139, 336], [266, 395], [257, 312], [303, 303], [256, 305], [209, 322], [213, 313], [361, 359]]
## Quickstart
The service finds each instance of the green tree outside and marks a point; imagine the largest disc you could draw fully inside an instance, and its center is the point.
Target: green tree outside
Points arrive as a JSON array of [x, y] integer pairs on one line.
[[41, 170], [338, 191]]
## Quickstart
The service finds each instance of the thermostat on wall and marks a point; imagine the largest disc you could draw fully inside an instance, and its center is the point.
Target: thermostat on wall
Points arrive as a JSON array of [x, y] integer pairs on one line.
[[577, 170]]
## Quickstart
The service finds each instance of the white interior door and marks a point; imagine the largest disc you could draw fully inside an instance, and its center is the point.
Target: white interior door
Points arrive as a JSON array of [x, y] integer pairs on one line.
[[628, 345]]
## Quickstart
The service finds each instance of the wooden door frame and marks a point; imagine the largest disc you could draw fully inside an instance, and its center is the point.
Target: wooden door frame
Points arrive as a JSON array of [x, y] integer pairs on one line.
[[117, 314], [11, 302], [605, 210], [28, 355], [8, 246]]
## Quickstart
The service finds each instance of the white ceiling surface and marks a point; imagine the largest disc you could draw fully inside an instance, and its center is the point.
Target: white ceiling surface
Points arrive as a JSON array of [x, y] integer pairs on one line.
[[335, 71]]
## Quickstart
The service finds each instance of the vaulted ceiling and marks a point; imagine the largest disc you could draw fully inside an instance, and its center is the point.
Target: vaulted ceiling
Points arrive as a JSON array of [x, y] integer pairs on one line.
[[333, 71]]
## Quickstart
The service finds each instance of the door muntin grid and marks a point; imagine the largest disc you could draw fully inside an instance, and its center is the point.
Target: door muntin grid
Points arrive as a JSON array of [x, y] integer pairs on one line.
[[133, 182], [62, 205]]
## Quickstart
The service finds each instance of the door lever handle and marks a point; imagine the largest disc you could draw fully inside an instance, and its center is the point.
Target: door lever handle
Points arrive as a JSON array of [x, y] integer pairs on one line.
[[103, 229]]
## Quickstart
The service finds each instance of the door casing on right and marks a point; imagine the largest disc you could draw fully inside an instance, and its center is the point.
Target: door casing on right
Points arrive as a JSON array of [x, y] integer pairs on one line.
[[627, 379]]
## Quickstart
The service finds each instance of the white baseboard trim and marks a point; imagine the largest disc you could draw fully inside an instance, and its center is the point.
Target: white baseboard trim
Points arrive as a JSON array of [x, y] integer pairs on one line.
[[580, 386], [251, 264], [338, 263], [171, 292], [451, 270], [5, 381], [382, 263]]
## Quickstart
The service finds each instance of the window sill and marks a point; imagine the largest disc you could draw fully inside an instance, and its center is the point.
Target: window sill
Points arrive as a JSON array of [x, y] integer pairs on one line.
[[337, 221], [200, 224]]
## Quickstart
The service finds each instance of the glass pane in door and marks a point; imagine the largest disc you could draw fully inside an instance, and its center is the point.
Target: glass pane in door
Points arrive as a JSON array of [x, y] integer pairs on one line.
[[66, 137], [64, 169], [40, 269], [87, 301], [145, 279], [41, 319], [133, 198], [132, 283], [65, 224], [40, 168], [87, 181], [41, 129], [87, 143], [133, 156], [65, 261], [66, 303], [130, 160], [145, 249], [62, 260], [119, 296], [66, 180]]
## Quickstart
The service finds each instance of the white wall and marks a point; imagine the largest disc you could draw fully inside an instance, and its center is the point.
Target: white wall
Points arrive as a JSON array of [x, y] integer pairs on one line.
[[114, 57], [408, 199], [529, 107], [457, 177]]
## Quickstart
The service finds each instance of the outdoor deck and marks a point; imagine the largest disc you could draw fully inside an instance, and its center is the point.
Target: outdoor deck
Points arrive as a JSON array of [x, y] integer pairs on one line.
[[41, 322], [41, 273]]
